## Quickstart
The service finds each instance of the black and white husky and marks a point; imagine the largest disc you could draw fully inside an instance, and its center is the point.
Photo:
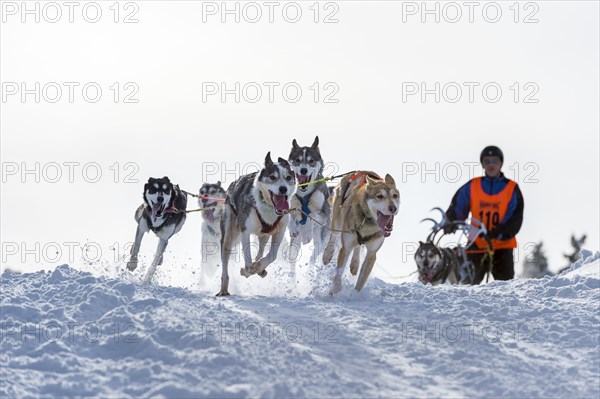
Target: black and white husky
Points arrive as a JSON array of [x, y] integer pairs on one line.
[[256, 203], [307, 226], [211, 196], [163, 212], [440, 265]]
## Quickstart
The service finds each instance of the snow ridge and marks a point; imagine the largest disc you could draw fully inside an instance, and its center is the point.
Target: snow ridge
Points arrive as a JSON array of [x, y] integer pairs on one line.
[[69, 333]]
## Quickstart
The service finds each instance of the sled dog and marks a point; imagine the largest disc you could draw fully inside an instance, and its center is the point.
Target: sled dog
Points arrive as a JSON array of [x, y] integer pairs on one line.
[[163, 212], [257, 203], [211, 196], [310, 224], [364, 206]]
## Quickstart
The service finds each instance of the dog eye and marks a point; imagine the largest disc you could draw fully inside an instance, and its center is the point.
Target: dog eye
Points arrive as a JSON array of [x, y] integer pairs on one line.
[[288, 178], [379, 196], [298, 160], [395, 196], [273, 177], [311, 162]]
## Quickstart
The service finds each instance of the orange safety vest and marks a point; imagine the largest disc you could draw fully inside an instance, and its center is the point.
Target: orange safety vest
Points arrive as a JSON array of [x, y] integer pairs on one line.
[[490, 210]]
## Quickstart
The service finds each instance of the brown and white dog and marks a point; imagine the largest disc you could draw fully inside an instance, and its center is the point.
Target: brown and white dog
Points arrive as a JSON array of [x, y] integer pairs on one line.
[[364, 206]]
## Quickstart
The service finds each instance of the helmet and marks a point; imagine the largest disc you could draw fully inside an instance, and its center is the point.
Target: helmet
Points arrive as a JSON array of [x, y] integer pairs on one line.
[[491, 151]]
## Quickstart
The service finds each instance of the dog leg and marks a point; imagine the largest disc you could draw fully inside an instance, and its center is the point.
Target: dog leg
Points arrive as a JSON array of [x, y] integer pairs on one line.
[[162, 245], [262, 243], [372, 248], [293, 252], [142, 228], [260, 266], [160, 259], [246, 270], [317, 234], [229, 234], [355, 262], [330, 248], [345, 250], [337, 223], [322, 236]]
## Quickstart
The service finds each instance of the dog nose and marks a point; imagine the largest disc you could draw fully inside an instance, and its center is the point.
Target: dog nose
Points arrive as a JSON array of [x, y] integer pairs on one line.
[[282, 189], [393, 208], [160, 199], [303, 171]]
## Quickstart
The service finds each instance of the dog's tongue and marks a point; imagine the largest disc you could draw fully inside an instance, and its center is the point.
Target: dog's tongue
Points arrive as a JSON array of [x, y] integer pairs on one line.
[[155, 209], [385, 223], [302, 179], [428, 276], [210, 215], [280, 203]]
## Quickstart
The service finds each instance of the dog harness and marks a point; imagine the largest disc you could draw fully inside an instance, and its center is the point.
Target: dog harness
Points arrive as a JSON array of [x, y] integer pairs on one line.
[[267, 228], [361, 240], [304, 201], [490, 210], [363, 180]]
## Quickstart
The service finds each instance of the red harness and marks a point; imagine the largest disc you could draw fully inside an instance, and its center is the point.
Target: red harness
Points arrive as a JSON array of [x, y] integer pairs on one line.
[[267, 228]]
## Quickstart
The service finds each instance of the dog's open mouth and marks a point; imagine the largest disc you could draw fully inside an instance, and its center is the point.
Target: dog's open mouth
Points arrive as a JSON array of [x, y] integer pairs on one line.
[[386, 223], [427, 276], [280, 202], [157, 210], [303, 180], [209, 214]]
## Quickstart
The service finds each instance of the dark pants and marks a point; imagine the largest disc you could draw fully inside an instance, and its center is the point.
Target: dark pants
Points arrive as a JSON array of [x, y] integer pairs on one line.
[[503, 268]]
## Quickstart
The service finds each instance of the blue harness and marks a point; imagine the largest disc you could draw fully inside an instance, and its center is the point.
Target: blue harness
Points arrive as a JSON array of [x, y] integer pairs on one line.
[[305, 209]]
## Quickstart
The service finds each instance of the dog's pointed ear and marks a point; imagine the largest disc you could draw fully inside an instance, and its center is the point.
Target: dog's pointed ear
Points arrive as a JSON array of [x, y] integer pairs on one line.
[[295, 144], [282, 161], [389, 180], [315, 143], [268, 160], [421, 243], [369, 180], [167, 179], [219, 183]]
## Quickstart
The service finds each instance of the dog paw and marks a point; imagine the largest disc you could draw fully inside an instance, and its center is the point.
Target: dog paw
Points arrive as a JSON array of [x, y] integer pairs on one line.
[[223, 293], [263, 274], [132, 265], [245, 272], [335, 290]]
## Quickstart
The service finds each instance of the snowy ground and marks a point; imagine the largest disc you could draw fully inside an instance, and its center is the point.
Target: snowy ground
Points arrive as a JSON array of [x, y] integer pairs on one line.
[[71, 333]]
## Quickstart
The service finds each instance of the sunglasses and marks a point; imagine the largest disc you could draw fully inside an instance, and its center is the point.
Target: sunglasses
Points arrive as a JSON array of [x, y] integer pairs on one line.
[[489, 161]]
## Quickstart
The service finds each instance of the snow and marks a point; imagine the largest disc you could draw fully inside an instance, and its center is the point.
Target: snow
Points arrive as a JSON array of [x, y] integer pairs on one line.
[[72, 333]]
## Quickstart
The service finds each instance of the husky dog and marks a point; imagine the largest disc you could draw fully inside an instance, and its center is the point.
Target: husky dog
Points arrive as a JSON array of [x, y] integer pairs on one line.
[[163, 212], [437, 265], [256, 203], [211, 196], [312, 199], [364, 206]]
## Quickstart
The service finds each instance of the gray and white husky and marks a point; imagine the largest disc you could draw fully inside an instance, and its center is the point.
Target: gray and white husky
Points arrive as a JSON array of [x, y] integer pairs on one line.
[[443, 265], [308, 225], [211, 196], [163, 212], [256, 203]]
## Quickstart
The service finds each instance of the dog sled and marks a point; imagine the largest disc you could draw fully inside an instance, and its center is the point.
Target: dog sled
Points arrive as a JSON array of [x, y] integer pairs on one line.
[[451, 264]]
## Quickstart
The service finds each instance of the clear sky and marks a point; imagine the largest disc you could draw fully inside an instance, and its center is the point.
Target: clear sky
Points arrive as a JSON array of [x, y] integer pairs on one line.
[[385, 86]]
